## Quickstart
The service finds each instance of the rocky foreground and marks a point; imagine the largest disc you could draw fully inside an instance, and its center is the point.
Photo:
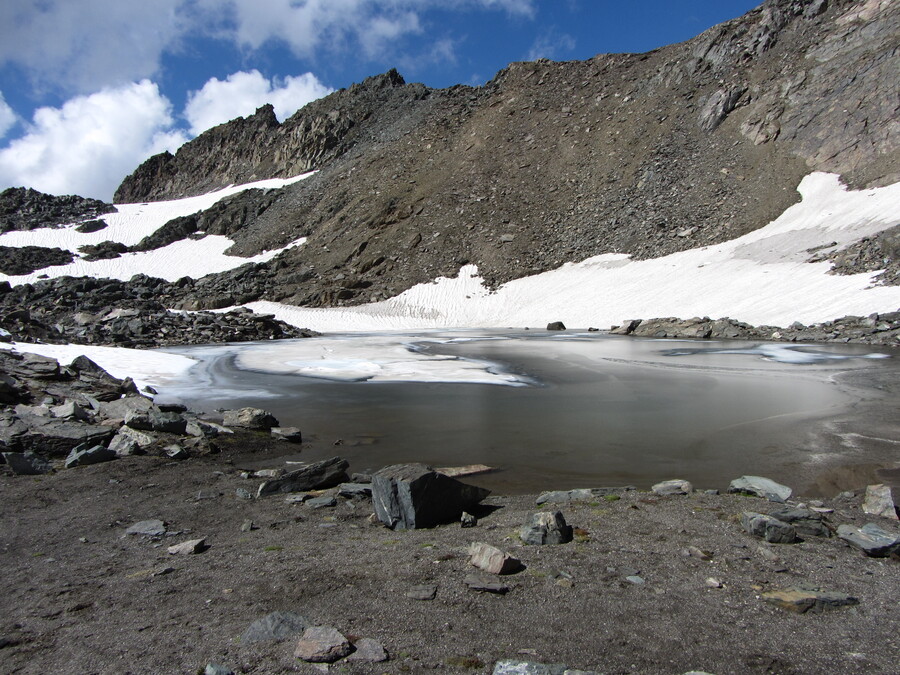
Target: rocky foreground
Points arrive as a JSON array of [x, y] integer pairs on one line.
[[138, 537]]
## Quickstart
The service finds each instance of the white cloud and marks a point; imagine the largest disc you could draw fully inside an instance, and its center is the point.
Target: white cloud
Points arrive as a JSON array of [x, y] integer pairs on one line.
[[89, 144], [374, 26], [241, 93], [80, 45], [7, 116]]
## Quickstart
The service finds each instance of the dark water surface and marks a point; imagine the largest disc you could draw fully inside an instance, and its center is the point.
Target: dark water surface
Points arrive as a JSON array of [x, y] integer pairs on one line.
[[595, 410]]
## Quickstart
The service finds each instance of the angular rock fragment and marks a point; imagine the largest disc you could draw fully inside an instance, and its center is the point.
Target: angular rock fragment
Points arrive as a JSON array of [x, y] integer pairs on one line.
[[486, 585], [546, 528], [350, 490], [250, 418], [771, 529], [492, 560], [423, 592], [189, 547], [154, 420], [368, 650], [70, 410], [805, 521], [673, 487], [89, 454], [870, 539], [275, 626], [882, 500], [287, 434], [27, 463], [318, 476], [56, 437], [410, 496], [322, 644], [761, 487], [148, 528], [120, 407], [802, 600], [579, 495]]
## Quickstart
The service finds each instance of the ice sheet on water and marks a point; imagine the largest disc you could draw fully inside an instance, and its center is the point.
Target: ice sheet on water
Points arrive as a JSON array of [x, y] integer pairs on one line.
[[781, 353]]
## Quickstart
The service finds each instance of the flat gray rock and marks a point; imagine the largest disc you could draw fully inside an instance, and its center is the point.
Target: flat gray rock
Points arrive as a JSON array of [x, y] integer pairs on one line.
[[801, 600], [870, 539], [423, 592], [95, 454], [513, 667], [148, 528], [274, 627], [761, 487], [287, 434], [579, 495], [318, 476], [478, 582], [250, 418], [676, 486], [369, 651]]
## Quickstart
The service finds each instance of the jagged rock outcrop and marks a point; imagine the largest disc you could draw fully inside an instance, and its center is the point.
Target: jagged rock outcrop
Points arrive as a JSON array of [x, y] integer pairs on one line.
[[27, 259], [258, 146], [870, 254], [128, 314], [646, 154], [27, 209]]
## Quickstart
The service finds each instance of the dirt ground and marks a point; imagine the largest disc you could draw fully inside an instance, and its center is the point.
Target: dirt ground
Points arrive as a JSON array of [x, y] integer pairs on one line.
[[81, 597]]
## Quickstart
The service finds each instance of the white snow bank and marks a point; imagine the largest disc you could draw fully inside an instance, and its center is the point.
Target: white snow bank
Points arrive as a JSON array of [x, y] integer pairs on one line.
[[144, 367], [133, 222], [760, 278], [378, 358]]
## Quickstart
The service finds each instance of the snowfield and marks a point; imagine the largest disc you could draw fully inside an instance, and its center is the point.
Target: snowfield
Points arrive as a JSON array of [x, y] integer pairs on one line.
[[133, 222], [760, 278], [146, 367]]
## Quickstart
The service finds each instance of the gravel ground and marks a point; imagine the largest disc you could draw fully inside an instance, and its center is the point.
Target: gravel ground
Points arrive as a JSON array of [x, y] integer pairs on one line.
[[81, 597]]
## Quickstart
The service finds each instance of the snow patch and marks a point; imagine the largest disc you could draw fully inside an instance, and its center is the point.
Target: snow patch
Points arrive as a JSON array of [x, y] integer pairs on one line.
[[760, 278], [133, 222], [144, 367]]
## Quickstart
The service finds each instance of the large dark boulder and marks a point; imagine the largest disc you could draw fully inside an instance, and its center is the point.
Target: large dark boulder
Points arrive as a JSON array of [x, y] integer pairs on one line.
[[412, 496]]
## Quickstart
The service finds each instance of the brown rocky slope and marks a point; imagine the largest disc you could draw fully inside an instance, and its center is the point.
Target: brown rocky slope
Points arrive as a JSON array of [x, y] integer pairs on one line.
[[647, 154]]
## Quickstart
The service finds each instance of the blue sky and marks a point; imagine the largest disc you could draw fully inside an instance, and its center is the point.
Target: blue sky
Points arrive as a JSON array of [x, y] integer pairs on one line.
[[90, 88]]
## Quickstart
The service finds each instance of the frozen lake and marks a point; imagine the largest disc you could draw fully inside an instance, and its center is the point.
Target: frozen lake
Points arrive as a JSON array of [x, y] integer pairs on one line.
[[562, 410]]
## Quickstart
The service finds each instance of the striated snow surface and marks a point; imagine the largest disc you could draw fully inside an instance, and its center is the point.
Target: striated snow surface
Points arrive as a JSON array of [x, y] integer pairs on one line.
[[133, 222], [760, 278]]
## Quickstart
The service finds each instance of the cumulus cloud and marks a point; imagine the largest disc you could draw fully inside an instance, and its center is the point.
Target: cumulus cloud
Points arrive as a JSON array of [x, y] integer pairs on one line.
[[240, 94], [7, 117], [77, 46], [89, 144], [374, 26]]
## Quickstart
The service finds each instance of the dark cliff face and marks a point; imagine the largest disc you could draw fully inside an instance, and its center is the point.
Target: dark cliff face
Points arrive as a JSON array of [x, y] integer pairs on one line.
[[645, 154]]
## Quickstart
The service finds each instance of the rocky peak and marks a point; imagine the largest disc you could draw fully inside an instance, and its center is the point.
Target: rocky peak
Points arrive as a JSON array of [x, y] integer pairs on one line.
[[258, 146]]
